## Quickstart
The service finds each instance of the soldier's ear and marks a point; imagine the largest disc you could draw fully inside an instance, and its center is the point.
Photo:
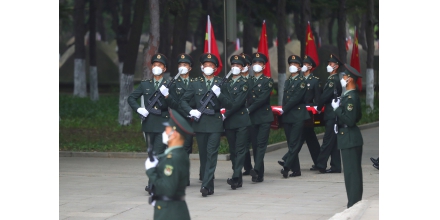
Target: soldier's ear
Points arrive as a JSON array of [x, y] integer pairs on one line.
[[164, 69]]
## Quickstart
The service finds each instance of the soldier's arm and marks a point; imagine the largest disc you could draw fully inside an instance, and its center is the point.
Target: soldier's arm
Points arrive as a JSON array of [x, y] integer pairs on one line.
[[262, 99], [132, 99], [326, 96], [347, 113], [166, 183], [239, 101], [186, 98], [296, 98], [224, 97], [172, 99], [317, 92]]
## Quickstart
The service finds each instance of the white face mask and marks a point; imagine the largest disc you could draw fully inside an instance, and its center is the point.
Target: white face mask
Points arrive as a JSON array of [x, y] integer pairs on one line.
[[293, 69], [208, 70], [245, 69], [235, 70], [157, 70], [183, 69], [165, 137], [304, 68], [257, 68], [329, 69], [344, 83]]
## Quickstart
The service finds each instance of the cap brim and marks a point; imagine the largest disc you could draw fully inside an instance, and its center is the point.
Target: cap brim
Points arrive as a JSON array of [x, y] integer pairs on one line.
[[166, 124]]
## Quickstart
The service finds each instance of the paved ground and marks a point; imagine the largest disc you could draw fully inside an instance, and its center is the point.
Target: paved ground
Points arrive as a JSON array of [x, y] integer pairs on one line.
[[113, 188]]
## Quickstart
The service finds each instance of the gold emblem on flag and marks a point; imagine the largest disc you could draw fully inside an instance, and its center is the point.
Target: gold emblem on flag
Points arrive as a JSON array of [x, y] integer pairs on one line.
[[158, 56], [236, 57], [183, 56], [209, 56], [258, 55]]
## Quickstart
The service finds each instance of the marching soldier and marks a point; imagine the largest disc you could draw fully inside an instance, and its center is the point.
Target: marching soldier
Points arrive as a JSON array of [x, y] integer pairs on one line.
[[208, 128], [294, 113], [169, 172], [260, 111], [152, 124], [236, 120], [350, 141], [329, 142]]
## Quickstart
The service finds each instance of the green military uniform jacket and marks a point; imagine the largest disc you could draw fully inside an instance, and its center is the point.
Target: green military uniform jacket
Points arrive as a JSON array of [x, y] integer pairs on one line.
[[349, 113], [333, 82], [293, 100], [197, 90], [258, 100], [177, 89], [153, 123], [313, 92], [237, 116], [170, 178]]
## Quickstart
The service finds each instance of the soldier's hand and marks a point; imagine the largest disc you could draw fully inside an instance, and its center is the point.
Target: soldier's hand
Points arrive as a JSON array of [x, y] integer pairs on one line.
[[164, 90], [144, 112], [195, 113], [280, 110], [223, 117], [335, 103], [316, 108], [149, 164], [216, 90]]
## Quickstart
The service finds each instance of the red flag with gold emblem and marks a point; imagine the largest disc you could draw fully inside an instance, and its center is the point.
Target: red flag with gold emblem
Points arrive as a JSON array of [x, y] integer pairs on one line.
[[211, 45], [263, 48], [310, 45], [355, 62]]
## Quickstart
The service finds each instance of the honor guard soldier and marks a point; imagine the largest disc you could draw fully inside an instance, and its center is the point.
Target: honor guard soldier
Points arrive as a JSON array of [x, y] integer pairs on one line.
[[208, 128], [236, 120], [311, 98], [260, 111], [149, 89], [350, 142], [250, 79], [332, 89], [169, 172], [294, 113]]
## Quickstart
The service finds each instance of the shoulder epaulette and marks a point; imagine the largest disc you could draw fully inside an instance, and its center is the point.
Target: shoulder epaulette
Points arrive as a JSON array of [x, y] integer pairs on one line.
[[144, 80]]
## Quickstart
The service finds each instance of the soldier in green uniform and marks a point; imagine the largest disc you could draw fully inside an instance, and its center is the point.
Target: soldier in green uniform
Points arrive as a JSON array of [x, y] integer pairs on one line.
[[250, 79], [311, 98], [169, 172], [294, 113], [350, 141], [260, 111], [236, 120], [152, 124], [329, 142], [208, 128]]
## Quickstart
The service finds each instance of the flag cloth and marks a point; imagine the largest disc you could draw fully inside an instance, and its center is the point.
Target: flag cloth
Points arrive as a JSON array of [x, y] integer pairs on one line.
[[211, 45], [355, 62], [262, 48], [311, 46]]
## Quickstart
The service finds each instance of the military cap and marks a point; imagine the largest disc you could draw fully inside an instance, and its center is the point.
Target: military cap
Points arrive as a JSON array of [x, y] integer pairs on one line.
[[294, 59], [158, 57], [209, 57], [247, 58], [238, 60], [259, 57], [352, 72], [178, 123], [335, 59], [185, 58], [308, 59]]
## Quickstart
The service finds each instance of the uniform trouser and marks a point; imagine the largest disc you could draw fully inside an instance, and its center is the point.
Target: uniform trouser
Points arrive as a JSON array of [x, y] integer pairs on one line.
[[293, 132], [351, 159], [329, 148], [208, 151], [259, 140], [158, 146], [188, 146], [247, 156], [237, 146], [309, 136]]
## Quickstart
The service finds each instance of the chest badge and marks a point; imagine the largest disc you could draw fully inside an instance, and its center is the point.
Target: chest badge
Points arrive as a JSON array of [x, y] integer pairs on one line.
[[168, 170], [330, 84], [308, 84], [303, 85], [350, 107], [235, 88], [259, 85]]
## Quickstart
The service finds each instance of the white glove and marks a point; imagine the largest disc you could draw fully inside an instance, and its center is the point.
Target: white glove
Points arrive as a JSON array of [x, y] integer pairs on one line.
[[335, 103], [143, 111], [153, 203], [280, 110], [316, 108], [216, 90], [149, 164], [223, 116], [195, 113], [164, 90]]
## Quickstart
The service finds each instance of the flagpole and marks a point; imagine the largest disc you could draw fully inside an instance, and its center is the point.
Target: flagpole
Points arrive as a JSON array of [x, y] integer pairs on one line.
[[209, 34], [224, 27]]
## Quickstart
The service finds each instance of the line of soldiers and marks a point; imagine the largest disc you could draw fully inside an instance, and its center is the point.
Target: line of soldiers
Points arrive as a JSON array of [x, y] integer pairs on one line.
[[247, 118]]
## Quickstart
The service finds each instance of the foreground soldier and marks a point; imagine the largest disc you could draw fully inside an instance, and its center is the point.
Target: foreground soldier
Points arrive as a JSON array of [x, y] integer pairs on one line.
[[348, 110], [169, 172]]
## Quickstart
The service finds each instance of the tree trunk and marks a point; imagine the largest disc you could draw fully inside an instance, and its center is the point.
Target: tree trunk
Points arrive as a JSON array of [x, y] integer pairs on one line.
[[79, 78], [181, 15], [330, 28], [298, 28], [99, 20], [370, 57], [342, 19], [154, 40], [281, 48], [121, 30], [207, 9], [362, 33], [164, 46], [248, 30], [94, 94]]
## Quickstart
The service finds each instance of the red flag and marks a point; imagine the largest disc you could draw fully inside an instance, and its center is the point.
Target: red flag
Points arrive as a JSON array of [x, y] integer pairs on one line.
[[310, 45], [211, 45], [262, 48], [354, 62]]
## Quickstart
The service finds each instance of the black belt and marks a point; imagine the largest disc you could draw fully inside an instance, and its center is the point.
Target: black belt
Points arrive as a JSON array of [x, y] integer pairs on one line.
[[166, 198]]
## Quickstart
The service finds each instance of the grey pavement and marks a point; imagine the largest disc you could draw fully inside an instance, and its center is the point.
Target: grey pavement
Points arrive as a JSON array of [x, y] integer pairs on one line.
[[112, 187]]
